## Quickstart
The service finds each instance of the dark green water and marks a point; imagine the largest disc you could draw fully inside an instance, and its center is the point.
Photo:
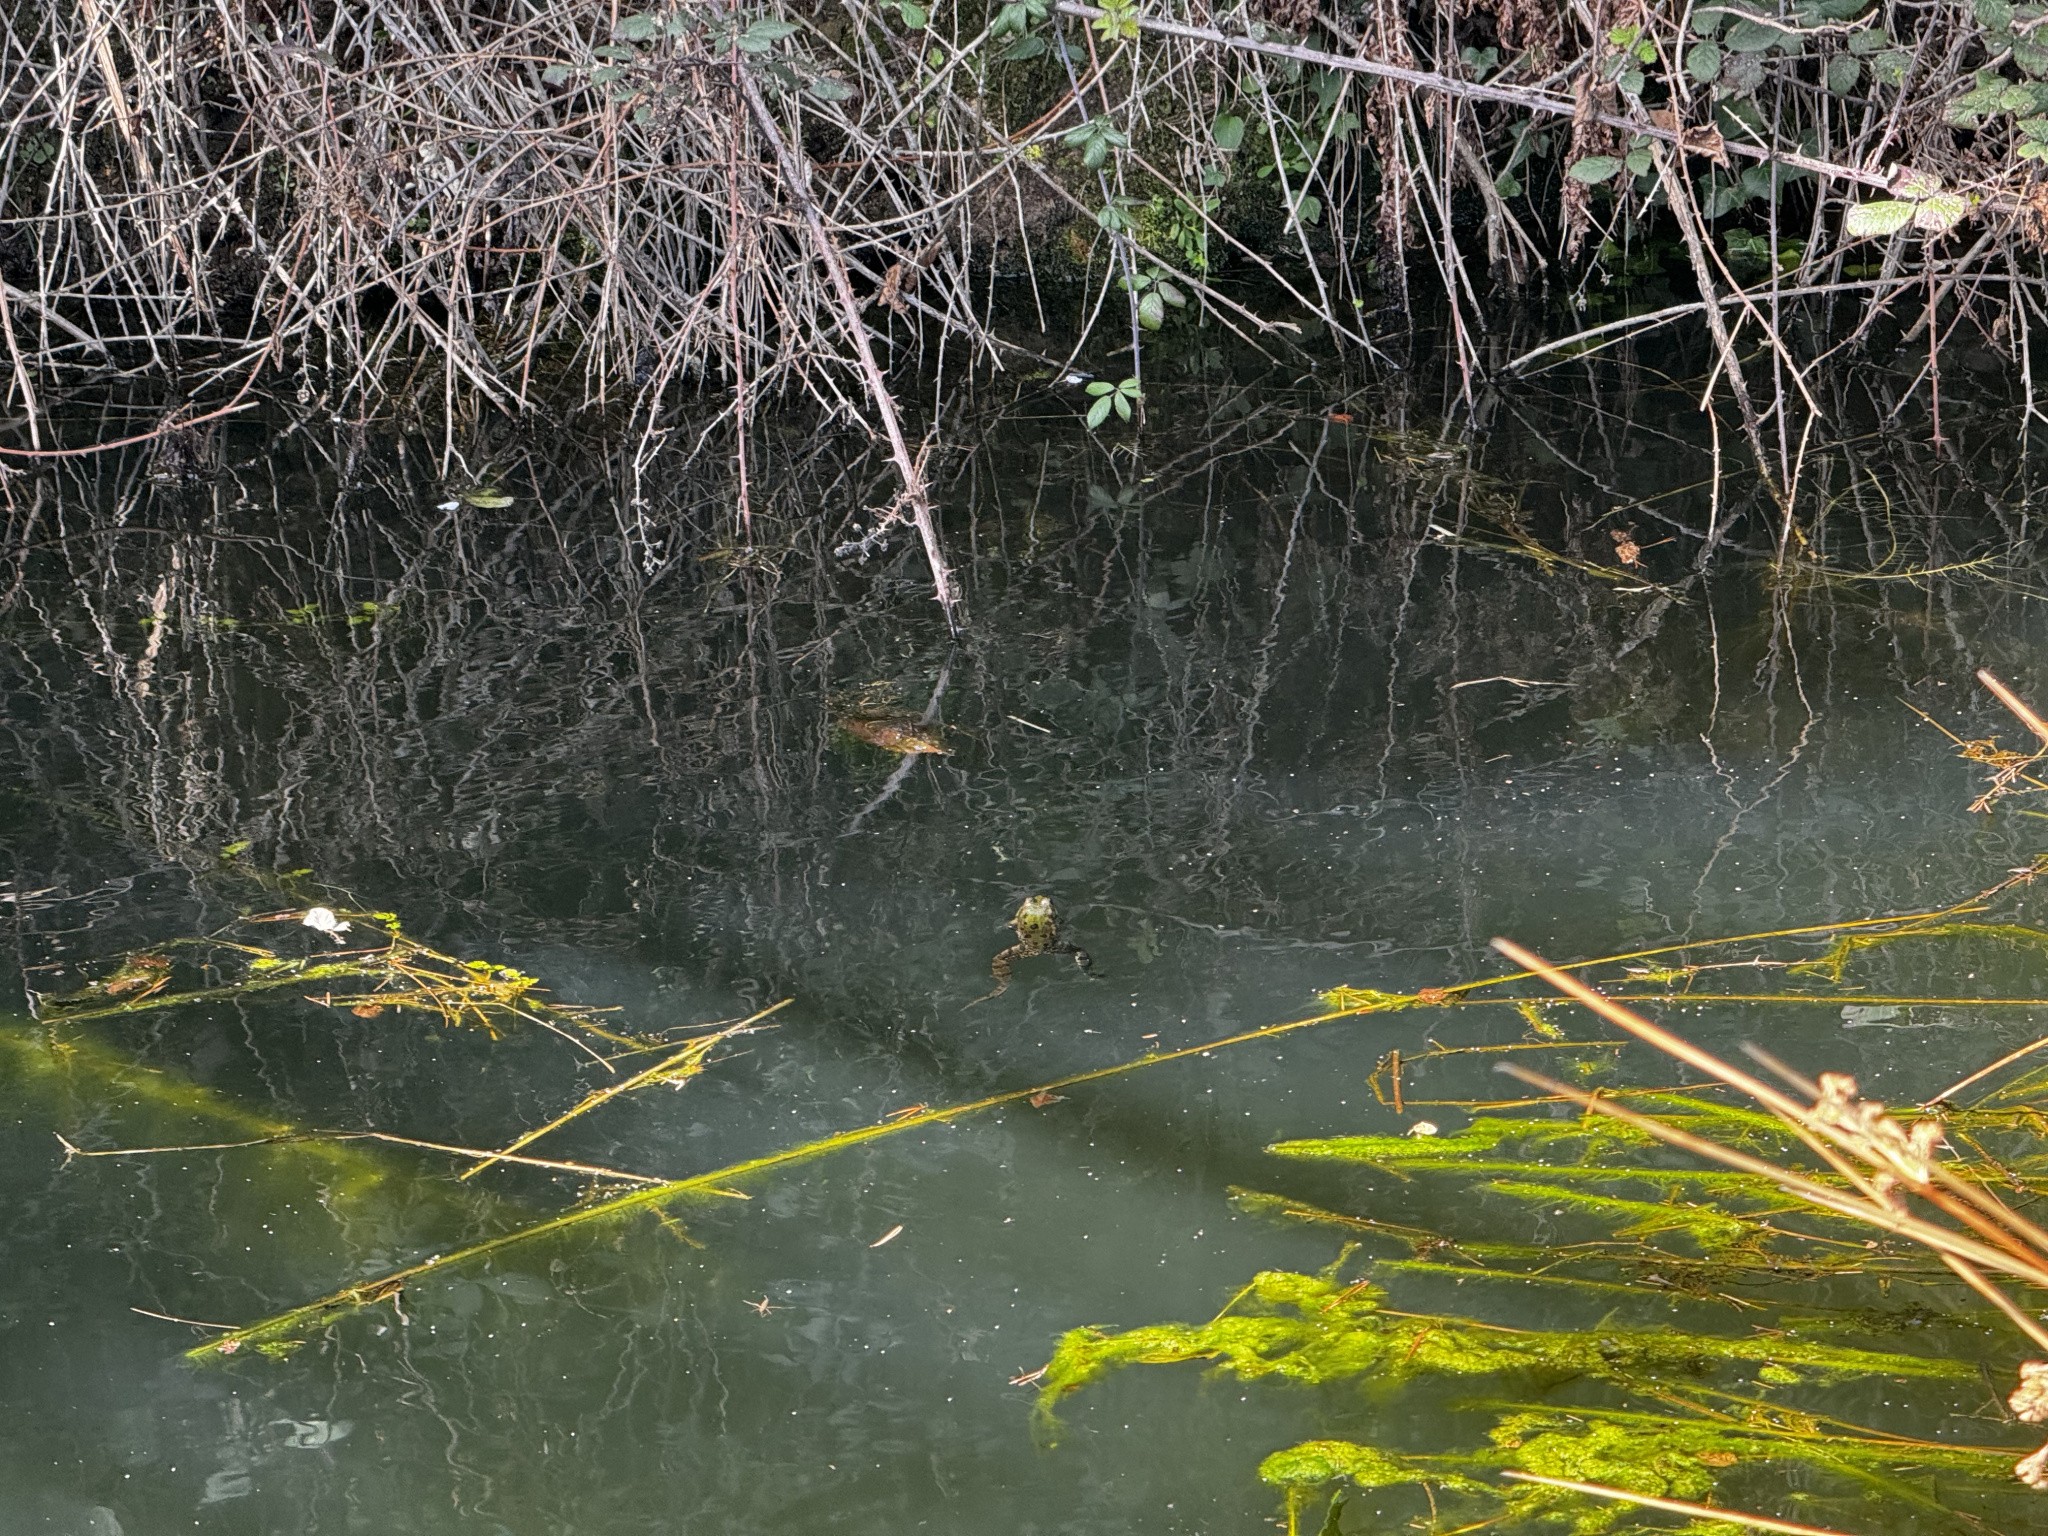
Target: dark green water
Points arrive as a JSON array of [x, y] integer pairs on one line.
[[1267, 704]]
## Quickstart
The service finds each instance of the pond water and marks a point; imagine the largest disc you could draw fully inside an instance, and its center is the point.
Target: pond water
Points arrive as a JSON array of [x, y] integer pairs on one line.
[[1300, 689]]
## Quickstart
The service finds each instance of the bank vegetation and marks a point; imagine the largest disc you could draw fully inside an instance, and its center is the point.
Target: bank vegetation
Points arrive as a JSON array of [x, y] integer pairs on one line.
[[517, 203]]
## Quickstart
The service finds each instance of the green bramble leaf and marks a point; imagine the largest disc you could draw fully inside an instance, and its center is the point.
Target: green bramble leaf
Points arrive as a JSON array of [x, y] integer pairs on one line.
[[1754, 37], [1876, 220], [1941, 213], [764, 34], [1594, 169], [1228, 131], [1098, 413], [1845, 73]]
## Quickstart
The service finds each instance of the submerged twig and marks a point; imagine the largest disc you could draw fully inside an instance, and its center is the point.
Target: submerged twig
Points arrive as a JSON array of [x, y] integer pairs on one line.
[[558, 1165], [686, 1063], [1674, 1506]]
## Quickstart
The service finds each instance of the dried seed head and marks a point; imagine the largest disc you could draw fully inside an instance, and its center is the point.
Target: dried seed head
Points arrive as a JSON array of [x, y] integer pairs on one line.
[[1837, 1092], [2034, 1470], [2029, 1400]]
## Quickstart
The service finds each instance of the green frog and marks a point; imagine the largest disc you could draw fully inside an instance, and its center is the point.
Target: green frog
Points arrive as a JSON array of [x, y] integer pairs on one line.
[[1038, 933]]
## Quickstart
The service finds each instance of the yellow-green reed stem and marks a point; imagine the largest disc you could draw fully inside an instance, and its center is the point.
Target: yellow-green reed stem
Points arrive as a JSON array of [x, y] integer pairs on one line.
[[689, 1061], [284, 1327]]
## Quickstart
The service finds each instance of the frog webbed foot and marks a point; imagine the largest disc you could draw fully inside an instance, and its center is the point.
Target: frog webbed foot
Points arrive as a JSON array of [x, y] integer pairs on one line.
[[1000, 969]]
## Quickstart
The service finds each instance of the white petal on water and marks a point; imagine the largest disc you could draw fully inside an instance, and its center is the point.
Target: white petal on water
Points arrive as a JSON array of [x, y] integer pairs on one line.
[[323, 920]]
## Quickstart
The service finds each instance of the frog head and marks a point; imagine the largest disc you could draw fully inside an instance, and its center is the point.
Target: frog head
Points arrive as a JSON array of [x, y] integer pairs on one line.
[[1034, 919]]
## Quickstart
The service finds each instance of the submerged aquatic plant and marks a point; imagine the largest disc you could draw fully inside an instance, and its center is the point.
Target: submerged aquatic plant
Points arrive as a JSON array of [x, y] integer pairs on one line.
[[1676, 1410], [1807, 1181]]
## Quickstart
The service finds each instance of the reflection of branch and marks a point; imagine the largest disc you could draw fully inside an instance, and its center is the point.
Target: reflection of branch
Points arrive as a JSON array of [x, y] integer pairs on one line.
[[903, 768]]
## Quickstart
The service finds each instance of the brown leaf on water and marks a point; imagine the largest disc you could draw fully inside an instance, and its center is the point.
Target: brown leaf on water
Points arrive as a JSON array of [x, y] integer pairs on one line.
[[1041, 1099], [140, 976], [899, 735]]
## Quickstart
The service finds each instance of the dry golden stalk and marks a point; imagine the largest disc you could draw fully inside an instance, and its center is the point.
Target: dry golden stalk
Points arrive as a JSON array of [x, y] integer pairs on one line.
[[1881, 1160]]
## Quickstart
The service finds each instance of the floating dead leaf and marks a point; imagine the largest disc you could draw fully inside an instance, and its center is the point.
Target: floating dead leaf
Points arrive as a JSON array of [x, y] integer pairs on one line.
[[367, 1010], [140, 976], [1626, 549], [889, 1236], [899, 735], [1041, 1099], [1717, 1458], [1432, 997]]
